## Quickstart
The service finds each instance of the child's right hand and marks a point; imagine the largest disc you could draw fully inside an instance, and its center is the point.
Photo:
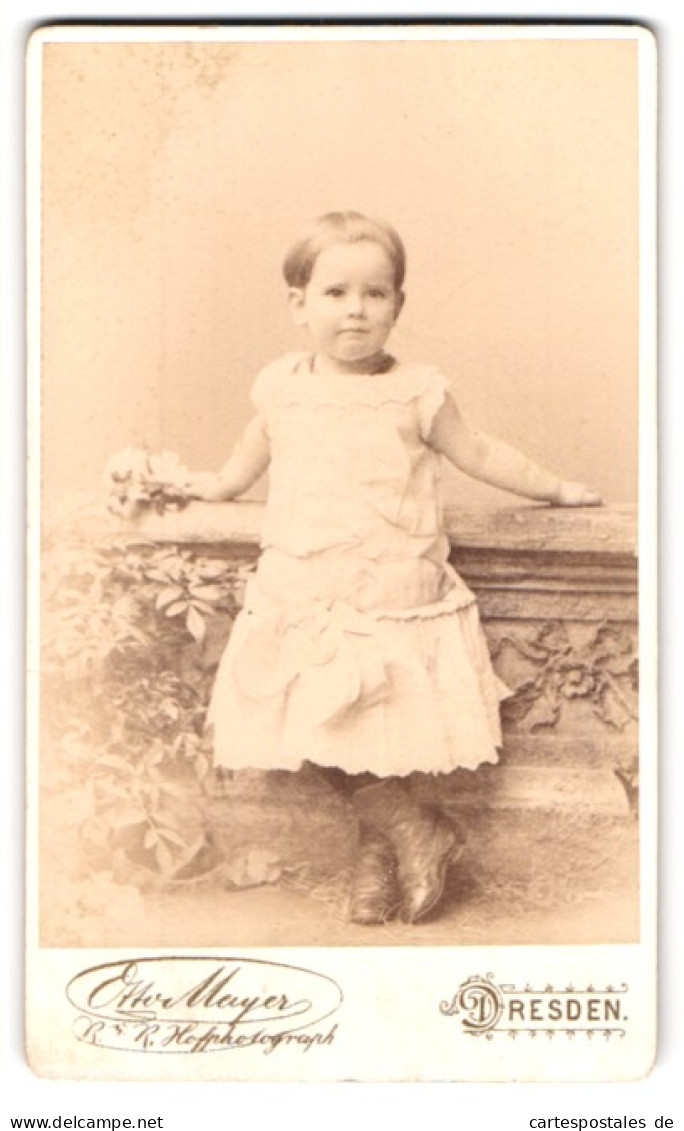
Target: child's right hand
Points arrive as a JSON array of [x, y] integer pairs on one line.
[[205, 486]]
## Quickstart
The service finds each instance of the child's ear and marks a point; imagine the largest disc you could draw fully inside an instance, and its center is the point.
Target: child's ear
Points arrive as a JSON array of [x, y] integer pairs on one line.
[[295, 298], [399, 301]]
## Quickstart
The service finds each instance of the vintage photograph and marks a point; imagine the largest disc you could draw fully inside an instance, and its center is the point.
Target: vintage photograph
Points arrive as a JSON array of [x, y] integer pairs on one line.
[[341, 716], [339, 465]]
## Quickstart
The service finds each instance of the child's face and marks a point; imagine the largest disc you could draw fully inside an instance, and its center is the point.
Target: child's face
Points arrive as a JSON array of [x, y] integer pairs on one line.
[[350, 303]]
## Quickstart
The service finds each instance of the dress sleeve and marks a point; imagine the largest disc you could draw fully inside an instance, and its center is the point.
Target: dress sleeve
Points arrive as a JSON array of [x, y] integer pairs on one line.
[[430, 400], [267, 383], [262, 390]]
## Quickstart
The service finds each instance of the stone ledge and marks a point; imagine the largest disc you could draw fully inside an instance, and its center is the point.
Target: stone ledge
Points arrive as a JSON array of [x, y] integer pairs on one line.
[[526, 528]]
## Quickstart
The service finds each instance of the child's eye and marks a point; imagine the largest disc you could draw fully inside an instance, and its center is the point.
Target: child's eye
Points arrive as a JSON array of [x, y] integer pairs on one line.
[[336, 292], [377, 292]]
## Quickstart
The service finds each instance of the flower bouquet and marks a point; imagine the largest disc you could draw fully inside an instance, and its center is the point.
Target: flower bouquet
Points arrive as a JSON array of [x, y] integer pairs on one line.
[[138, 480]]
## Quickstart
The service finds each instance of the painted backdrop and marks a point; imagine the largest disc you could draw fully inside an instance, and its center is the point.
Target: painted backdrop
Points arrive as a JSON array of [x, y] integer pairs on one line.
[[175, 176]]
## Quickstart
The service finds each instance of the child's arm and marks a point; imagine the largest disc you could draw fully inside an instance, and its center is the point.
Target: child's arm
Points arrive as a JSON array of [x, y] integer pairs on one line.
[[248, 461], [496, 463]]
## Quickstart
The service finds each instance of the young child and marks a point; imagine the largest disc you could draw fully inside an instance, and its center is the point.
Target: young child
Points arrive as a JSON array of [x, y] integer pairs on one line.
[[359, 647]]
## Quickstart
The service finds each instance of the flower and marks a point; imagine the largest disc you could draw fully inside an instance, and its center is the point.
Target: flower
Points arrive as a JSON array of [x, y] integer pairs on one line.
[[577, 681], [137, 479], [166, 468], [128, 464]]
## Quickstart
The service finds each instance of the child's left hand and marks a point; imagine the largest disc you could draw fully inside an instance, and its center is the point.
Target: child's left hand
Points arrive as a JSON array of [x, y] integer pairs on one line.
[[576, 495]]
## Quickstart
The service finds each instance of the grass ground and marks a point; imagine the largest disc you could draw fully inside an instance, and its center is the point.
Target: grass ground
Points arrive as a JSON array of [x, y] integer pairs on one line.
[[527, 877]]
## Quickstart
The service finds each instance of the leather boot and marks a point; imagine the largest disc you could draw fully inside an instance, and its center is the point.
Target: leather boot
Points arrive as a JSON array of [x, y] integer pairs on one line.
[[424, 839], [375, 894]]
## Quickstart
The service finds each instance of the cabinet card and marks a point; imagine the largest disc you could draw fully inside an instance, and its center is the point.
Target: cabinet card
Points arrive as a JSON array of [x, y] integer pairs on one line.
[[335, 747]]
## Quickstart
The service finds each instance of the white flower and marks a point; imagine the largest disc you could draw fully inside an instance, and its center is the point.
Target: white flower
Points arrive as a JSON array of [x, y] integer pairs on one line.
[[129, 463], [166, 468]]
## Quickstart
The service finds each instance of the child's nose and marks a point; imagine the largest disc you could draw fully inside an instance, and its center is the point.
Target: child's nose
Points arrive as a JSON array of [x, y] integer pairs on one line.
[[355, 303]]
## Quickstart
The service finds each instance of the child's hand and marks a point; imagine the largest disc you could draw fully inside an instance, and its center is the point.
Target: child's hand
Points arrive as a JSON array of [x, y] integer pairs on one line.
[[204, 486], [576, 495]]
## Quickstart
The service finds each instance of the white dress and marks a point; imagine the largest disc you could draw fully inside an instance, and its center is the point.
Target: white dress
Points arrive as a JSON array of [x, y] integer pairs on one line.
[[359, 646]]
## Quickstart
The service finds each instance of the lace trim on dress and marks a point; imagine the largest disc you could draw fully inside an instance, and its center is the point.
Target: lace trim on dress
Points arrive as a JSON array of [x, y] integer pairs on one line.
[[289, 381], [454, 601]]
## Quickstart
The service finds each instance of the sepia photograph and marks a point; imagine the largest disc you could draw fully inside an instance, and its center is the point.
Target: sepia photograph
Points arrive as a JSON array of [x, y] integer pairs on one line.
[[343, 338]]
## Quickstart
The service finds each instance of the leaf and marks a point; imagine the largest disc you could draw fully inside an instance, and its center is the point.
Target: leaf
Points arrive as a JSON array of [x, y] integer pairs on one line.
[[612, 640], [549, 642], [176, 608], [554, 636], [612, 709], [195, 624], [527, 648], [139, 635], [165, 576], [172, 837], [129, 817], [212, 570], [177, 819], [210, 593], [168, 595], [543, 713], [618, 664], [203, 607]]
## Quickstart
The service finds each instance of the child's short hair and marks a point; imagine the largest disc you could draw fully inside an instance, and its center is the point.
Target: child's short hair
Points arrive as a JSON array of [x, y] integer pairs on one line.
[[341, 227]]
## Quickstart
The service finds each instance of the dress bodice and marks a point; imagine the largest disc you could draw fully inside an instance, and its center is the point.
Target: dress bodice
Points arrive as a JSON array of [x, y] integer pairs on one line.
[[350, 463]]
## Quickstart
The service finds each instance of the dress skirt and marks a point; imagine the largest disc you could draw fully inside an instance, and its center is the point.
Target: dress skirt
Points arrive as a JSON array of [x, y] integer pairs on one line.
[[345, 663]]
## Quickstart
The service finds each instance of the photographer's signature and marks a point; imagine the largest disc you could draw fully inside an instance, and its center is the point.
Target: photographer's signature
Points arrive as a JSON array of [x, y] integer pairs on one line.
[[195, 1005]]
